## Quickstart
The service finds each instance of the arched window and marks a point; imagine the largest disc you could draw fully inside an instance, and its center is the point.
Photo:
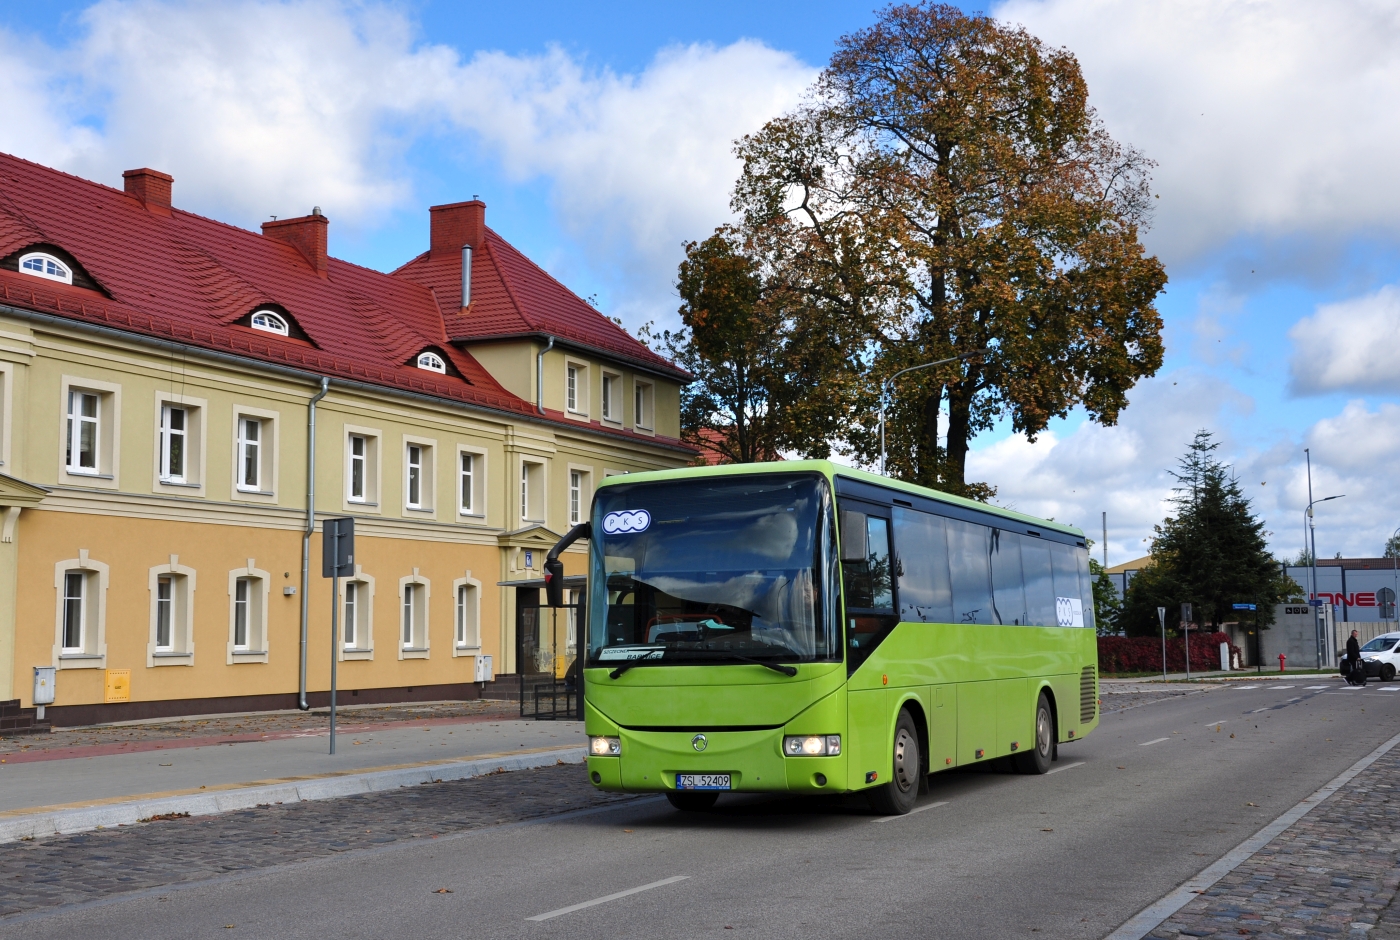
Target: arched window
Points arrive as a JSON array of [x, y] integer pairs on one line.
[[41, 264], [270, 322], [432, 362]]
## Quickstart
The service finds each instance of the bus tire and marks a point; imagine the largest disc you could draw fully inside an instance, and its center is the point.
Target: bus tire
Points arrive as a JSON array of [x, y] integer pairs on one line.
[[1037, 759], [692, 802], [901, 792]]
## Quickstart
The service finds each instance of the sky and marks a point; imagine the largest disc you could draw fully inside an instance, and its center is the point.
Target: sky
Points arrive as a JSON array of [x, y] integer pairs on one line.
[[600, 136]]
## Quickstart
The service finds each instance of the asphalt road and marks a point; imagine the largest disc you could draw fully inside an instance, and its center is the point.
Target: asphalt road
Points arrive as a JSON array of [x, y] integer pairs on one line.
[[1158, 792]]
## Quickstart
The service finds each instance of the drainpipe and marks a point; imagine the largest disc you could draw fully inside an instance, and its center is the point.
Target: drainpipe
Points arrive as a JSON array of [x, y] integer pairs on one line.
[[539, 376], [310, 528]]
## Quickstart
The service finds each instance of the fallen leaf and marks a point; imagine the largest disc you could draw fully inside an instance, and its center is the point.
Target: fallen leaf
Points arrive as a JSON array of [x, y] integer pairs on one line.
[[629, 830], [1232, 735], [1251, 804], [443, 891], [1122, 768], [1047, 830]]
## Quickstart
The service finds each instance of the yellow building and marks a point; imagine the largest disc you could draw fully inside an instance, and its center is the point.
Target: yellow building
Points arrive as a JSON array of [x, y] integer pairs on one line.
[[173, 388]]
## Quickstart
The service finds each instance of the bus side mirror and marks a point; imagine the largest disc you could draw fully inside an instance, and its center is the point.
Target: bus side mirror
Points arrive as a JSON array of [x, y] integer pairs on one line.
[[854, 541], [554, 582]]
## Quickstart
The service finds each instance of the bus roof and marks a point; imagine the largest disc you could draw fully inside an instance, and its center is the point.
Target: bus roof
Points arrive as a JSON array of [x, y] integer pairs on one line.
[[830, 470]]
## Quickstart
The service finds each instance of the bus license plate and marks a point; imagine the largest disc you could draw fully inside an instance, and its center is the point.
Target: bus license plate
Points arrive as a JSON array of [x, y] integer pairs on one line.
[[702, 781]]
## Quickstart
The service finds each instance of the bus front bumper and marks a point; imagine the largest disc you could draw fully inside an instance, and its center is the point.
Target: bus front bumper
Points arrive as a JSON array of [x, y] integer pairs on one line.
[[754, 761]]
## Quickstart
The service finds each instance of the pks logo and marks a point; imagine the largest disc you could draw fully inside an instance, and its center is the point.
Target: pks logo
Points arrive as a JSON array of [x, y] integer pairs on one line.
[[620, 523]]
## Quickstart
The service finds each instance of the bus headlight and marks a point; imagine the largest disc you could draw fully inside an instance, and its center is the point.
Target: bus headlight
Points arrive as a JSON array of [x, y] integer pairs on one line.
[[599, 746], [811, 745]]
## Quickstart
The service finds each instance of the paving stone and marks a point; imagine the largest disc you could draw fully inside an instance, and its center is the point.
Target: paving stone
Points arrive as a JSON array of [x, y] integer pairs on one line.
[[1333, 873], [46, 873]]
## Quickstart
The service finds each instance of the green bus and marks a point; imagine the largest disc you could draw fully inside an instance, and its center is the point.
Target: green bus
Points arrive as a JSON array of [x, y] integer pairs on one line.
[[809, 628]]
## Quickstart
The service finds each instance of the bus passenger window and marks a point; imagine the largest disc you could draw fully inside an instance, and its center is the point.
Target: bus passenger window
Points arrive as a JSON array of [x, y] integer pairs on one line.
[[868, 581], [969, 546], [1040, 590], [1008, 588], [925, 594]]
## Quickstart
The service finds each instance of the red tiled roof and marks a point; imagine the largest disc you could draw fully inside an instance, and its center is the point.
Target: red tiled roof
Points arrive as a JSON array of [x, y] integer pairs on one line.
[[187, 279], [512, 296]]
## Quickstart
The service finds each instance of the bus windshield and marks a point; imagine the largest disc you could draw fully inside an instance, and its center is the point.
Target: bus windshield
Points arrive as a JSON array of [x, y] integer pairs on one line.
[[711, 571]]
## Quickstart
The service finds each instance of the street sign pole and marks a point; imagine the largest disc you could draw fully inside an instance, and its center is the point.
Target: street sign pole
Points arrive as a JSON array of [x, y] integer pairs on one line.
[[1186, 635], [337, 561], [1162, 619]]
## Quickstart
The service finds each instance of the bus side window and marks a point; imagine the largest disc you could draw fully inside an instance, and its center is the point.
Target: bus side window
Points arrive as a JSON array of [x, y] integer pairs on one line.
[[1040, 588], [1086, 585], [969, 546], [925, 593], [869, 579], [1066, 571], [1008, 589]]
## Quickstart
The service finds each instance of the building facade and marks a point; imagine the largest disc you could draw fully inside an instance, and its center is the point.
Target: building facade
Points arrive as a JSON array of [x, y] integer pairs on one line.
[[182, 403]]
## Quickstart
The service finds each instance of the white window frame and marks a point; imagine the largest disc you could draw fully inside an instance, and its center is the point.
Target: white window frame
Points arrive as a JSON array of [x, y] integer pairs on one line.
[[421, 594], [532, 501], [369, 502], [92, 651], [255, 650], [273, 322], [251, 441], [643, 406], [174, 431], [268, 456], [64, 274], [580, 409], [610, 389], [466, 615], [430, 361], [584, 494], [363, 647], [180, 650], [80, 422], [477, 510], [109, 405], [195, 445], [427, 475]]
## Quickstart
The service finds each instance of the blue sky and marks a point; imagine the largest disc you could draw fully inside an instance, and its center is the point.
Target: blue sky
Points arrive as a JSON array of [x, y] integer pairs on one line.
[[599, 136]]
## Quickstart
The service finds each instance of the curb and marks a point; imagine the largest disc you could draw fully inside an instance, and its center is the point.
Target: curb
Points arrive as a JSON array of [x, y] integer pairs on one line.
[[47, 822]]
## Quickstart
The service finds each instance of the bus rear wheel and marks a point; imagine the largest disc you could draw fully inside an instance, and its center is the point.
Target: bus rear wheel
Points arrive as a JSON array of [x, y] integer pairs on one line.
[[1037, 759], [692, 802], [899, 795]]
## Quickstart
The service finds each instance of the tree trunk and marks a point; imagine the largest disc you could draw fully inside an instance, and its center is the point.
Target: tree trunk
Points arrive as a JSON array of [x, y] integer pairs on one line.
[[959, 421], [928, 455]]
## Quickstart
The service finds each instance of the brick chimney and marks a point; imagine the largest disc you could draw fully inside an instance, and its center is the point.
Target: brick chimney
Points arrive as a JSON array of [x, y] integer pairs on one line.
[[306, 234], [457, 225], [150, 187]]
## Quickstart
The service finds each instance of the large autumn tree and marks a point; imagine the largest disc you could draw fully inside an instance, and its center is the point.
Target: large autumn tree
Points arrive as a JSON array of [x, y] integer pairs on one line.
[[946, 188]]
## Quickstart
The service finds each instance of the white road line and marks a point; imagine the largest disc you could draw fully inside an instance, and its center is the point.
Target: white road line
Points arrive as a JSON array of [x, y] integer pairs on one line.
[[1148, 919], [1388, 688], [917, 809], [1280, 688], [1244, 688], [1258, 710], [611, 897], [1315, 687], [1212, 724], [1078, 763], [1298, 699], [1153, 741]]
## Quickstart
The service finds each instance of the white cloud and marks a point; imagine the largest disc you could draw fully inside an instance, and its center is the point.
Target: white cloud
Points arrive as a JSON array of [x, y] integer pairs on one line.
[[1268, 119], [261, 108], [1349, 345]]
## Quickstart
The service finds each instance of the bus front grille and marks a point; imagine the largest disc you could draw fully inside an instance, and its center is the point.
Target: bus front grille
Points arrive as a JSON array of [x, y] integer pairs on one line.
[[1087, 699]]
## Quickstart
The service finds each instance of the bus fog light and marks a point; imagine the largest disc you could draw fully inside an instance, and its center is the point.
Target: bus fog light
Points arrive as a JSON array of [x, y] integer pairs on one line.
[[812, 745], [599, 746]]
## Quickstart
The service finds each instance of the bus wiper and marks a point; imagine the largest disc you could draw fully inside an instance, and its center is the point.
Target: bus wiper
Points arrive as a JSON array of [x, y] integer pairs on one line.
[[632, 662], [776, 667]]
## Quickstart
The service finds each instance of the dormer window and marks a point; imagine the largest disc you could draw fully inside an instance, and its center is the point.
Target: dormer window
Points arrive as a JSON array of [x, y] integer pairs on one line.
[[432, 362], [269, 322], [40, 264]]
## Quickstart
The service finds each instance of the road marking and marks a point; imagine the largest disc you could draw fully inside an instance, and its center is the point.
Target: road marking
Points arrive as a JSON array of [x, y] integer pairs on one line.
[[1258, 710], [611, 897], [1078, 763], [1280, 688], [917, 809], [1388, 688], [1245, 688], [1153, 741], [1298, 699], [1211, 724], [1315, 687], [1152, 916]]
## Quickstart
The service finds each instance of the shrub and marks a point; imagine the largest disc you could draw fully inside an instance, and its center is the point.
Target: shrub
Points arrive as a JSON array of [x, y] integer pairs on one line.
[[1144, 654]]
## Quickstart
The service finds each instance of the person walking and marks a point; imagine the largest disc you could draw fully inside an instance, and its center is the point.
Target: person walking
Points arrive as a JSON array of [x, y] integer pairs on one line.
[[1356, 672]]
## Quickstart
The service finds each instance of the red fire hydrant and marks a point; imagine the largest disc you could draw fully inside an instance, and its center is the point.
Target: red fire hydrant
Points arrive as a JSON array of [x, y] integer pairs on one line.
[[1281, 658]]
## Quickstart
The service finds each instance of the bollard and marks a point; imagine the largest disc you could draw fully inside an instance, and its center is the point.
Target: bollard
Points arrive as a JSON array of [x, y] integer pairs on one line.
[[1281, 658]]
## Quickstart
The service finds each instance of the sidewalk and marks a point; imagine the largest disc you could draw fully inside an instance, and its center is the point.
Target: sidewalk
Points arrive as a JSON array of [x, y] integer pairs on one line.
[[111, 775], [1234, 675]]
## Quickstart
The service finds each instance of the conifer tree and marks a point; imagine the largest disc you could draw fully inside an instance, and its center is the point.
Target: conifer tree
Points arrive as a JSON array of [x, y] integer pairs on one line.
[[1211, 553]]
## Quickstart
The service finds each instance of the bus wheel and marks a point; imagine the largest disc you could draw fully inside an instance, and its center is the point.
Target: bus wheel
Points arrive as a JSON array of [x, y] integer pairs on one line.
[[692, 802], [898, 796], [1037, 760]]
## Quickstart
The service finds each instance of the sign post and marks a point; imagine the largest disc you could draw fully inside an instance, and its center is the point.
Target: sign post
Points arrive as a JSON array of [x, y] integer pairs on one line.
[[1186, 634], [1162, 619], [337, 561]]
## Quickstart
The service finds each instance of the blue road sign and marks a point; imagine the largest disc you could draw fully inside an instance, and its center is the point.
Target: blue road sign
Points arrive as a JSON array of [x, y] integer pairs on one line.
[[1243, 606]]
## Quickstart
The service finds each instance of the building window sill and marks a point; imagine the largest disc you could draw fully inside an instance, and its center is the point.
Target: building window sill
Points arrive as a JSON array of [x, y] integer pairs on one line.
[[183, 483], [422, 509], [168, 658], [243, 492], [413, 652], [357, 652], [75, 655], [362, 502], [88, 474]]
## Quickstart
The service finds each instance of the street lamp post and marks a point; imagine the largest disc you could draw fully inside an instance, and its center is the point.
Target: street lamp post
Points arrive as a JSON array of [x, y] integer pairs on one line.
[[885, 390], [1311, 524]]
